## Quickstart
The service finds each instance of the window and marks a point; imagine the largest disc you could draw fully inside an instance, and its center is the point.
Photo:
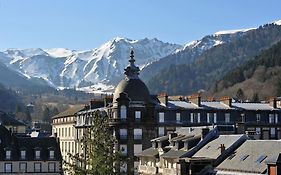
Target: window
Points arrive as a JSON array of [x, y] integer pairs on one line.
[[23, 167], [161, 117], [123, 168], [51, 154], [261, 158], [195, 117], [227, 117], [271, 118], [123, 112], [258, 130], [8, 168], [37, 167], [123, 133], [8, 154], [22, 154], [272, 132], [51, 166], [137, 134], [138, 115], [123, 149], [137, 148], [276, 118], [258, 117], [178, 117], [244, 157], [161, 131], [211, 117], [37, 154]]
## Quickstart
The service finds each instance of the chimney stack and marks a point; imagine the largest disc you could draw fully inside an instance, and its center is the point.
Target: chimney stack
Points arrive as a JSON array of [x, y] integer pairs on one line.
[[222, 148], [163, 98], [226, 100], [195, 99], [204, 132], [273, 102]]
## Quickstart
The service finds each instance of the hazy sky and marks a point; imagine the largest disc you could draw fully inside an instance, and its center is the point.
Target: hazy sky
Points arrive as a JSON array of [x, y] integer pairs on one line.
[[85, 24]]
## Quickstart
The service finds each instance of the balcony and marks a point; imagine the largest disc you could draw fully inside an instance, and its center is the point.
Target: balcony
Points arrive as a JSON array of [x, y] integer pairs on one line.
[[137, 137], [147, 169], [123, 137], [170, 171]]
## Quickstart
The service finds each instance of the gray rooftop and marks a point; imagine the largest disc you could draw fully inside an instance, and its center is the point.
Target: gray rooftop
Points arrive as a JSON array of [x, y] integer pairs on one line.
[[212, 149], [252, 156], [219, 105]]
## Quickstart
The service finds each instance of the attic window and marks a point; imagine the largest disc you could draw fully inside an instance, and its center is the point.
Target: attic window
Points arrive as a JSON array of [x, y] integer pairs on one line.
[[231, 156], [261, 158], [244, 157], [52, 154], [37, 154]]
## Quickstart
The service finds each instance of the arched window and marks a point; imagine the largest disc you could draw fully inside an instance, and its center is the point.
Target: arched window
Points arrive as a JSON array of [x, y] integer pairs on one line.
[[123, 112]]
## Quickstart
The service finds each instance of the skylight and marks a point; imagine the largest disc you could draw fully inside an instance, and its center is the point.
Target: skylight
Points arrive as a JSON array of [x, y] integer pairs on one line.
[[261, 158], [244, 157]]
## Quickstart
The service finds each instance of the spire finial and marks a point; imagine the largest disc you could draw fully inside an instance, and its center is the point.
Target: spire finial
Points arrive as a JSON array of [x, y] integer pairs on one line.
[[132, 71]]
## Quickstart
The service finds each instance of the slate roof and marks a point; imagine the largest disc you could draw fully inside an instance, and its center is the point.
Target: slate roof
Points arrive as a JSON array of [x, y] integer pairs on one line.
[[7, 119], [174, 153], [248, 157], [30, 144], [70, 112], [212, 149], [220, 106], [150, 152]]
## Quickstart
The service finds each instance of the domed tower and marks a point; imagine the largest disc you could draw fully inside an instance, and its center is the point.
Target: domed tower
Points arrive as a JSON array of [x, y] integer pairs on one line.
[[132, 114]]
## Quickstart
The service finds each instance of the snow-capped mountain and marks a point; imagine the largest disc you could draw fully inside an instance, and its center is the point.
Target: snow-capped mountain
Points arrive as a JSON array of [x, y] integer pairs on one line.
[[191, 51], [70, 68]]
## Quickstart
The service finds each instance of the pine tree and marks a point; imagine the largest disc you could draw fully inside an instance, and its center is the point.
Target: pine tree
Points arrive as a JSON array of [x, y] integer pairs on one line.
[[46, 114], [98, 144]]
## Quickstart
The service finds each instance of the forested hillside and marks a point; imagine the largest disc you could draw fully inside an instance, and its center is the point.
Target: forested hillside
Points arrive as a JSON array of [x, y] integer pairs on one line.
[[213, 64], [258, 78]]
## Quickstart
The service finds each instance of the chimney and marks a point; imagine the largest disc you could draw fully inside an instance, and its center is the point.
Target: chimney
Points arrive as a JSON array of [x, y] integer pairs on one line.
[[195, 99], [180, 98], [96, 103], [172, 135], [204, 132], [273, 102], [222, 147], [107, 100], [211, 98], [163, 98], [226, 100]]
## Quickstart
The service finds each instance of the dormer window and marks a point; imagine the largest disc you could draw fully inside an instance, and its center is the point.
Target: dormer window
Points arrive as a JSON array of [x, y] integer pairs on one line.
[[37, 154], [23, 154], [8, 154], [51, 154]]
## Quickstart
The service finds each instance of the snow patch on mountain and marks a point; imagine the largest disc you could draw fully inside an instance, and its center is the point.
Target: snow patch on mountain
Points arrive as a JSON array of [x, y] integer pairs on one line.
[[59, 52], [277, 22], [65, 68], [232, 31]]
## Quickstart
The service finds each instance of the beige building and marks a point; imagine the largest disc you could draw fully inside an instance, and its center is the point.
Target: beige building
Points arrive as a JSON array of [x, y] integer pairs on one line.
[[64, 127]]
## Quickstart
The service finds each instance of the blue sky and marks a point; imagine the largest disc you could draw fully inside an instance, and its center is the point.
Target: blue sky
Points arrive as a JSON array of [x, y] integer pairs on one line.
[[86, 24]]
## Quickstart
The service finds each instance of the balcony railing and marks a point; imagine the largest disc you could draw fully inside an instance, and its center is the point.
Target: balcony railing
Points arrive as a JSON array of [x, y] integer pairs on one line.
[[147, 169], [123, 137], [137, 137]]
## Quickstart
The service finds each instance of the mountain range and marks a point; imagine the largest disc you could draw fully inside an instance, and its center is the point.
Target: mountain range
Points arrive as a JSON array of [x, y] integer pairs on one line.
[[64, 68], [174, 68]]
